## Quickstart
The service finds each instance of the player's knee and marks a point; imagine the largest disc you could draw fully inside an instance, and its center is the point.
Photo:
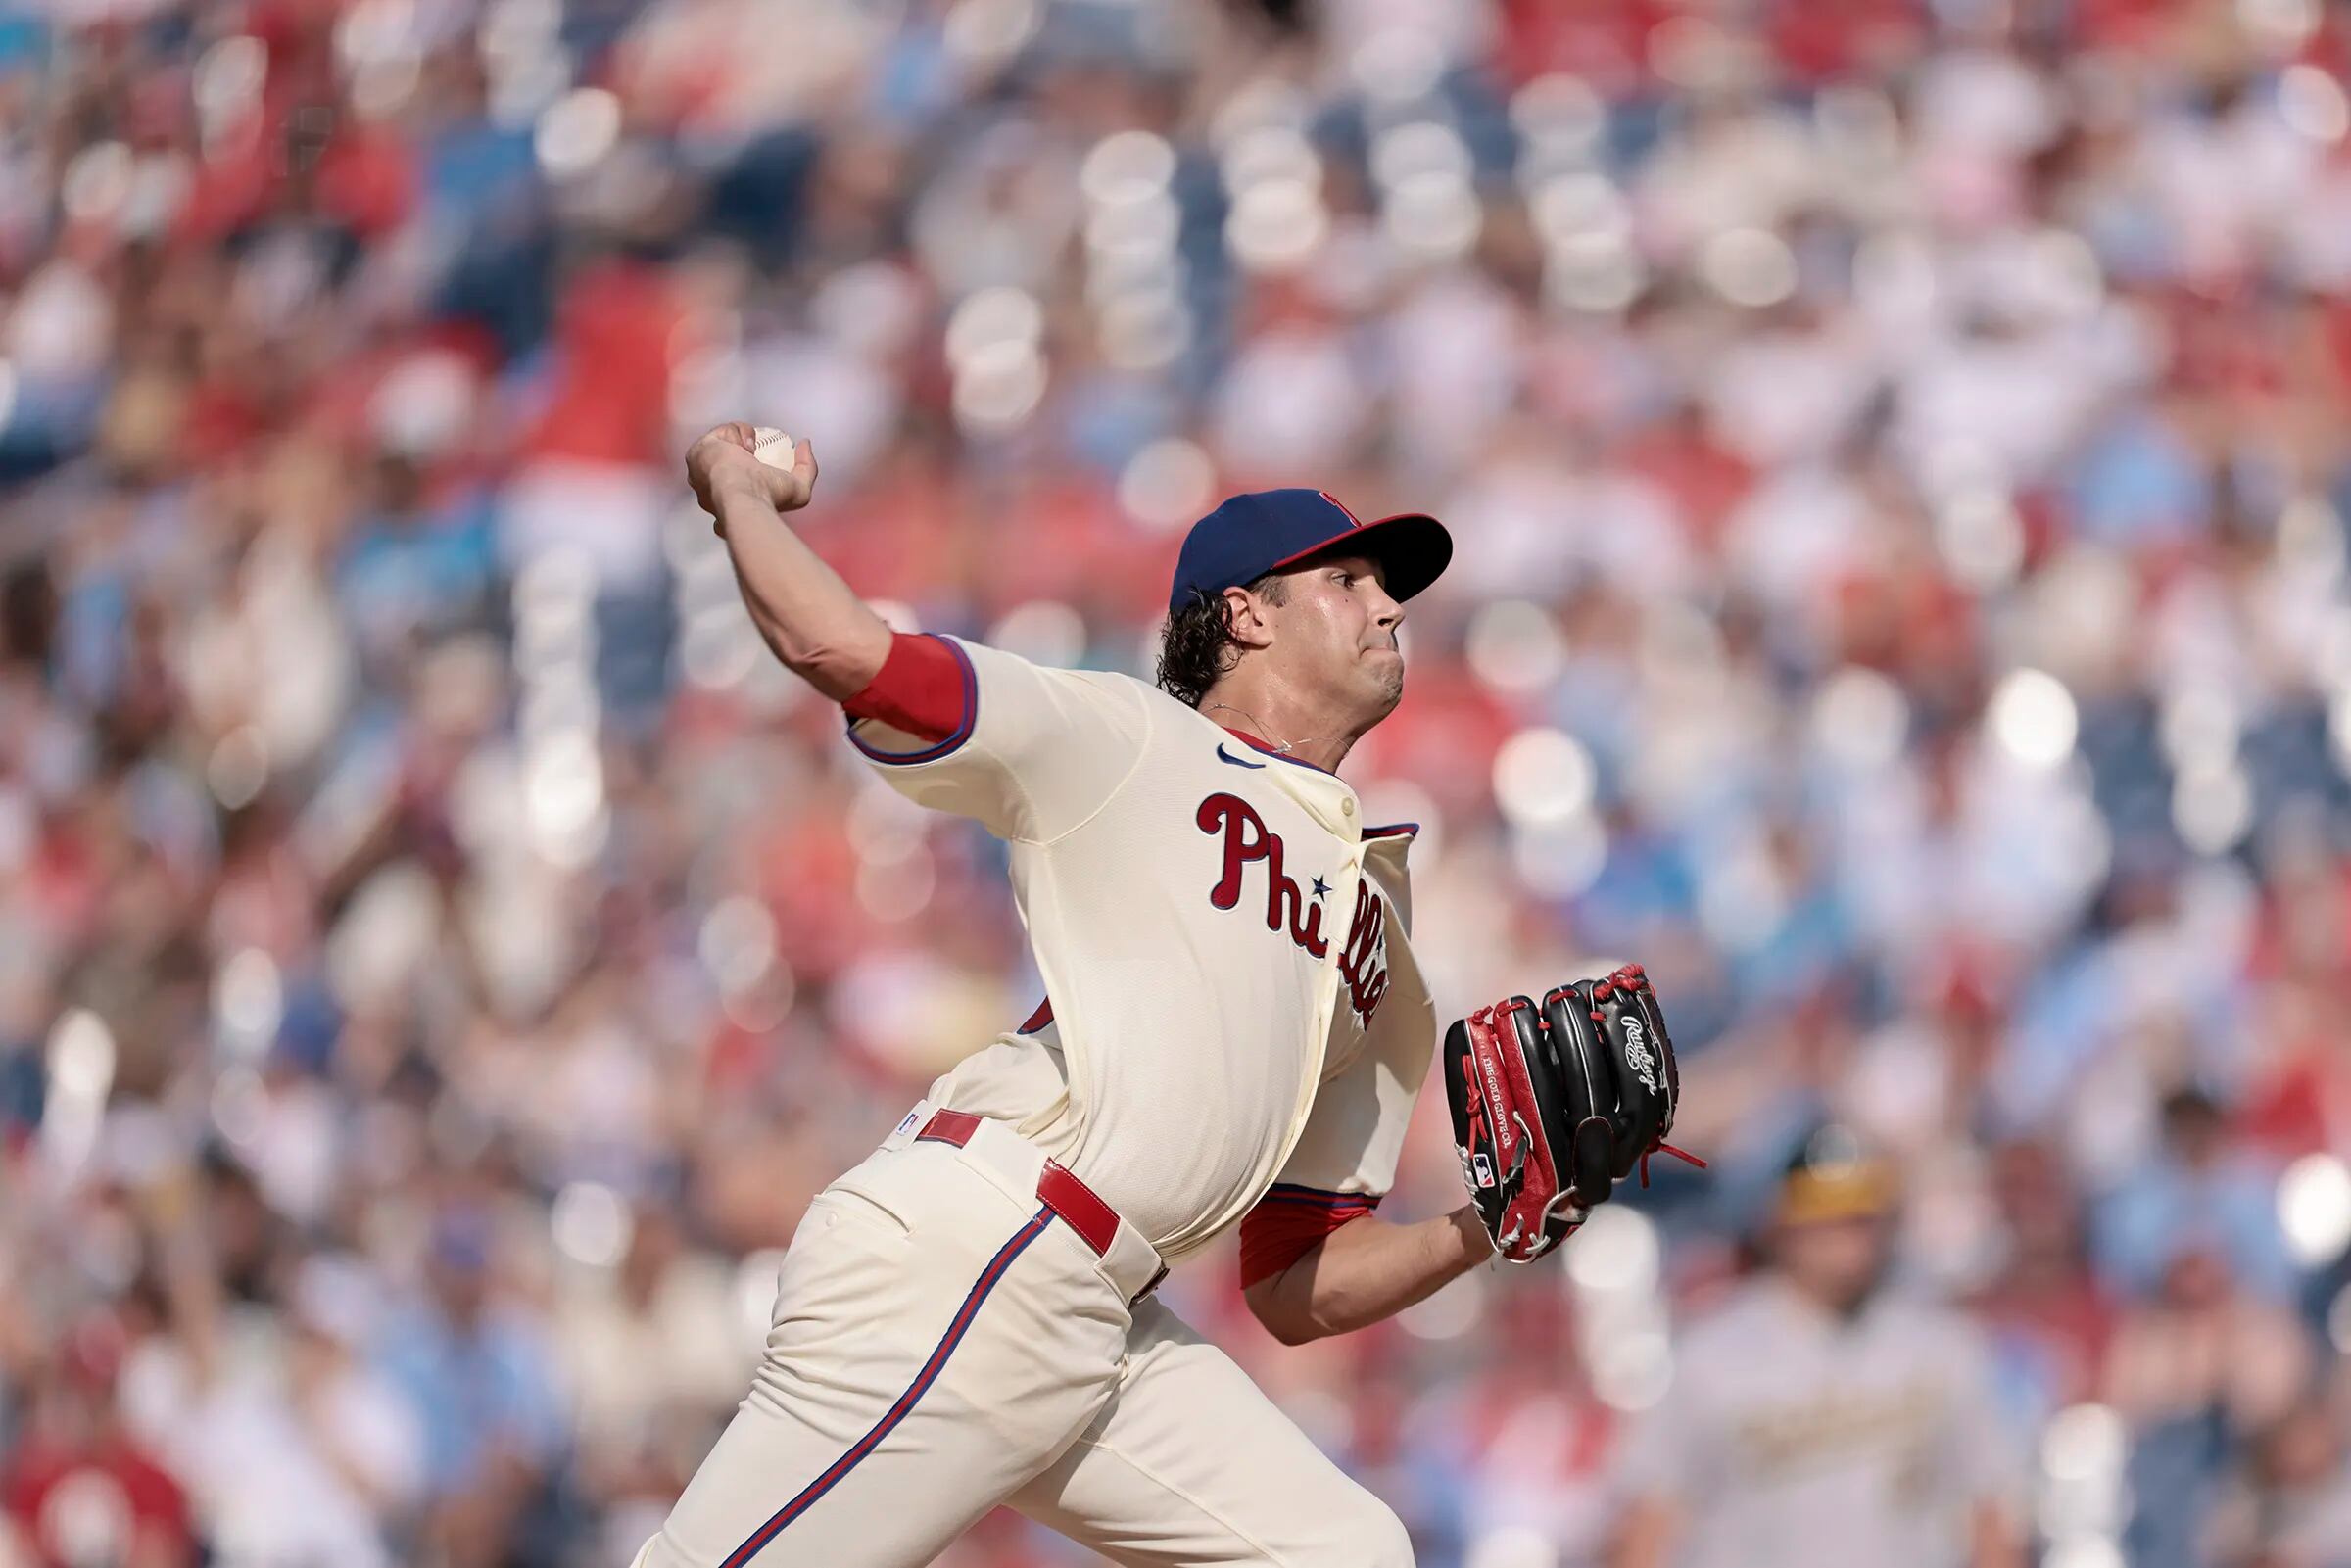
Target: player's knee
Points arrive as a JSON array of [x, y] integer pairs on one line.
[[1367, 1535]]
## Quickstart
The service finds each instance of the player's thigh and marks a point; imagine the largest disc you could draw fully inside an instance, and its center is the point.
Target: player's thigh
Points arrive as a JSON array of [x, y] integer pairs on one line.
[[1190, 1464], [930, 1349]]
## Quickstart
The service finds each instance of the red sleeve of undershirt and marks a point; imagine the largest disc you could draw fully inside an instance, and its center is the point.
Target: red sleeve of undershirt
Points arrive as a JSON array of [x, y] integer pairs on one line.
[[1289, 1221], [919, 690]]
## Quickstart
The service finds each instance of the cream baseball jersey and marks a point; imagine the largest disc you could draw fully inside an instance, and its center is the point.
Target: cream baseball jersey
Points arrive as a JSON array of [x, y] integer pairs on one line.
[[1232, 1011]]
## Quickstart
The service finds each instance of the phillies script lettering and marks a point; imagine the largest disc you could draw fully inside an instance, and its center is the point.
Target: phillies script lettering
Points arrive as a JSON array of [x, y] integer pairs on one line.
[[1363, 962]]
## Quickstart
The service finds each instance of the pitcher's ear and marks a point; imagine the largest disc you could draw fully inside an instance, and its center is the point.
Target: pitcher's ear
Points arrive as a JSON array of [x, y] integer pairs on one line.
[[1246, 617]]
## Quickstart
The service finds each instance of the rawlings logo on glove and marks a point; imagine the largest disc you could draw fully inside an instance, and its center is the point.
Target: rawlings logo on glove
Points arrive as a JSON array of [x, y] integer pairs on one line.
[[1553, 1106], [1636, 1050]]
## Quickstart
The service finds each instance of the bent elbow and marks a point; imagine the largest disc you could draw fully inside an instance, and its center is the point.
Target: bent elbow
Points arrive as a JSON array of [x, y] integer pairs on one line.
[[795, 653], [845, 665], [835, 674], [1288, 1324], [1294, 1325], [1292, 1331]]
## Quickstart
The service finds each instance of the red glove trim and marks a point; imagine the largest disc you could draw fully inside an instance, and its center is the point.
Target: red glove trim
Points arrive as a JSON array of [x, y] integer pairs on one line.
[[1289, 1222], [1515, 1122], [924, 688]]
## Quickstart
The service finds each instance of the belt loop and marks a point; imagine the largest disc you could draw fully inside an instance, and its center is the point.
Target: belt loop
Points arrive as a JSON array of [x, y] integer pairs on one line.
[[1140, 1296]]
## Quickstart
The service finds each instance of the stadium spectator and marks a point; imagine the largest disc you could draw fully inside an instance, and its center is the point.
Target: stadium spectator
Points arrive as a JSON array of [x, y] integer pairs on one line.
[[1818, 1392]]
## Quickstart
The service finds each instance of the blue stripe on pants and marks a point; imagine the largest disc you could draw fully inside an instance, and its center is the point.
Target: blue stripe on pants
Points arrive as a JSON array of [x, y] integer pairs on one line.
[[906, 1402]]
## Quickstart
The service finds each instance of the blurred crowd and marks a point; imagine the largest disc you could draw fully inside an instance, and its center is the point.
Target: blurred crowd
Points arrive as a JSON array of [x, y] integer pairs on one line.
[[1898, 453]]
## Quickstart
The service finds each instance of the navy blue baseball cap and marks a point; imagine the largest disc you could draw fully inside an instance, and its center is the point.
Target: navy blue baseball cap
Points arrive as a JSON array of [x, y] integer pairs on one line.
[[1275, 530]]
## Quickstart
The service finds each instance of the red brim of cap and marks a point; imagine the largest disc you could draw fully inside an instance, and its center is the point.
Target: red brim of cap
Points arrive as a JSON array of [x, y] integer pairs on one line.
[[1412, 547]]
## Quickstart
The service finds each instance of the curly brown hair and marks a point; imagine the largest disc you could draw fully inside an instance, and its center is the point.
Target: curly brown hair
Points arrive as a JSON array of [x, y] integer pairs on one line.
[[1198, 649]]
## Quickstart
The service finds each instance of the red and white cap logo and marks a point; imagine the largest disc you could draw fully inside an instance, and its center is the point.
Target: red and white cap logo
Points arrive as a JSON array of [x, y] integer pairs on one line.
[[1352, 520]]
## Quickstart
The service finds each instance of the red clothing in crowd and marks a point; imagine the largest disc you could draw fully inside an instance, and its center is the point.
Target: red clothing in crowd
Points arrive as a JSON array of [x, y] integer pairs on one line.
[[104, 1503]]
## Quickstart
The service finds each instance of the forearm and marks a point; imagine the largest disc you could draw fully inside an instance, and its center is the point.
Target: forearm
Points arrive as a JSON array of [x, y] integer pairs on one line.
[[812, 620], [1367, 1271]]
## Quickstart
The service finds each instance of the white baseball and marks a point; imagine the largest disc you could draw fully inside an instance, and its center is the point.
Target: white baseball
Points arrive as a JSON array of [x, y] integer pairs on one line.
[[773, 447]]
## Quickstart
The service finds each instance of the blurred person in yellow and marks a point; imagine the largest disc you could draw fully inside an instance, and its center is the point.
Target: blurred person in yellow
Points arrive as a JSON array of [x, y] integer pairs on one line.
[[1821, 1418]]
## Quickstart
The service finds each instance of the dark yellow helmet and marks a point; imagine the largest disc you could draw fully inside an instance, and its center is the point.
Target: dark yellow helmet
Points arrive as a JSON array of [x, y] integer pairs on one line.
[[1835, 1175]]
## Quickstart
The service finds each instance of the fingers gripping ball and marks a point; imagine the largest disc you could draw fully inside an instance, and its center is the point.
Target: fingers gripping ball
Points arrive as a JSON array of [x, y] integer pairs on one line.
[[773, 448], [1552, 1105], [739, 462]]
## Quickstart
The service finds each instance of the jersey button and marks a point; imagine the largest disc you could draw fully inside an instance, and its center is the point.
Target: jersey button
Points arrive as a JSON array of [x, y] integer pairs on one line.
[[1346, 808]]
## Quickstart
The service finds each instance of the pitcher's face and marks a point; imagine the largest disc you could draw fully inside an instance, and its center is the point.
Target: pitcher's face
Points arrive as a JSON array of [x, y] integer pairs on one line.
[[1336, 632]]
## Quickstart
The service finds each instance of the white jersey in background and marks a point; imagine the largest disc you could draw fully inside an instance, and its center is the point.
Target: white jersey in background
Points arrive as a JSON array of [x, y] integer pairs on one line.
[[1792, 1439]]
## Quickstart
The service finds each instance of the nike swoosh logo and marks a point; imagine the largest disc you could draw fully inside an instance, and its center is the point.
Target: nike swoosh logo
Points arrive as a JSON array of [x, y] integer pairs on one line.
[[1224, 755]]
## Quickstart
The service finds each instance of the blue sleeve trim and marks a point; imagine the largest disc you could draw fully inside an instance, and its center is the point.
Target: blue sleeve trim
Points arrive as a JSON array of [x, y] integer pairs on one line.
[[963, 732], [1290, 1192]]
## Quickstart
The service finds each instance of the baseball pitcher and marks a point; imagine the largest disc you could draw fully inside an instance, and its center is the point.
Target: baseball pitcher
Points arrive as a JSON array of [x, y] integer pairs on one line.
[[1233, 1032]]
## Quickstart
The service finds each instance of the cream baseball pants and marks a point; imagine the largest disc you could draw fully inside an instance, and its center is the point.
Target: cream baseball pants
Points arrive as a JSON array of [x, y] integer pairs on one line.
[[946, 1339]]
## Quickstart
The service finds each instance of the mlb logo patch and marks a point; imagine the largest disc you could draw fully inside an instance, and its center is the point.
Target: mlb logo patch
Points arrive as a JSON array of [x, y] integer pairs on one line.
[[906, 1124], [1484, 1168]]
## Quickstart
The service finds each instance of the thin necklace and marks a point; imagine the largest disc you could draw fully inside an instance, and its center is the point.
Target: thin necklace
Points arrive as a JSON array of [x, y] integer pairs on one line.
[[1267, 730]]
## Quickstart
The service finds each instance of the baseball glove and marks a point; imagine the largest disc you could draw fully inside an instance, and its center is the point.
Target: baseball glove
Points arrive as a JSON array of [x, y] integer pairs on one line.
[[1554, 1105]]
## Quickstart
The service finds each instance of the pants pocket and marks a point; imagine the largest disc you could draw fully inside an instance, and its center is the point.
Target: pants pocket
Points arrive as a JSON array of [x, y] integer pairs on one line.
[[856, 1207]]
